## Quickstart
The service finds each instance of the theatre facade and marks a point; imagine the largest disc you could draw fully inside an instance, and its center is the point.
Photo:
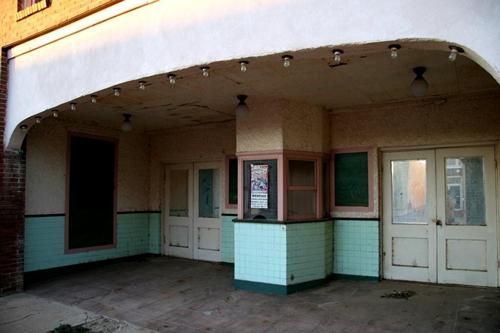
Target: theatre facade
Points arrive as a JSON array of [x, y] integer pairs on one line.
[[295, 140]]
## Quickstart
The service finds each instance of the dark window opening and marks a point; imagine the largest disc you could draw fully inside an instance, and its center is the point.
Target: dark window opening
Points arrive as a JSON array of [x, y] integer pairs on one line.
[[351, 179], [91, 210], [233, 181]]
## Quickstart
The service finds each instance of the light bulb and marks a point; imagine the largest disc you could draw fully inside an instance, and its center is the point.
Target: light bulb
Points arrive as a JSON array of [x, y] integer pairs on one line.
[[171, 78], [72, 106], [286, 60], [243, 66], [126, 125], [242, 110], [116, 91], [142, 85], [55, 114], [38, 120], [394, 50], [204, 71], [419, 86], [24, 127], [453, 53], [336, 56], [93, 99]]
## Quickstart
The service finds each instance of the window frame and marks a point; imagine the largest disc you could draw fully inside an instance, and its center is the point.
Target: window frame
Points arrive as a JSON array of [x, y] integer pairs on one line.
[[317, 158], [371, 181], [67, 250]]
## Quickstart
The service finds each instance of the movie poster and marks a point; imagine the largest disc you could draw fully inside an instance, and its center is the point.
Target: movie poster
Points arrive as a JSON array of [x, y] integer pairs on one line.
[[259, 186]]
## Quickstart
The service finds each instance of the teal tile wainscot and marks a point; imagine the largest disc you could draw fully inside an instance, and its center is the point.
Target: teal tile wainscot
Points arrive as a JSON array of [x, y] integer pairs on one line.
[[356, 248], [137, 233], [282, 258], [227, 244]]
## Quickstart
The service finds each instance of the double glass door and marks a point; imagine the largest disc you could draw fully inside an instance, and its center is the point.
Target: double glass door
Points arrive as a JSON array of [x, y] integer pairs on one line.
[[439, 216], [192, 207]]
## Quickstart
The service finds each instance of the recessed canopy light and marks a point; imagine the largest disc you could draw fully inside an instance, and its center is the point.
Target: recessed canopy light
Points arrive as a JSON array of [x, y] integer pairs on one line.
[[337, 55], [93, 99], [243, 65], [55, 113], [454, 51], [394, 50], [38, 119], [116, 91], [171, 78], [24, 127], [286, 60], [72, 106], [204, 71], [142, 85]]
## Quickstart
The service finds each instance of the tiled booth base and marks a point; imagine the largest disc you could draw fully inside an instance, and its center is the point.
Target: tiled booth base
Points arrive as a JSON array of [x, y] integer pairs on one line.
[[282, 258]]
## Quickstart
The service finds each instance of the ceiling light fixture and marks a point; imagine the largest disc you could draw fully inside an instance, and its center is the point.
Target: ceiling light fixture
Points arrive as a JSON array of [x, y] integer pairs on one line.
[[394, 50], [243, 65], [116, 91], [24, 127], [242, 109], [38, 120], [419, 85], [142, 85], [286, 60], [454, 51], [204, 71], [126, 125], [72, 106], [93, 99], [171, 78], [55, 113], [337, 55]]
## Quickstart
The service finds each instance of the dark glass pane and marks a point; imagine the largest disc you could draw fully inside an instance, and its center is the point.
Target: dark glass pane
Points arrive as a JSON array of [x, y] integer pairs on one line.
[[233, 181], [351, 179], [271, 190]]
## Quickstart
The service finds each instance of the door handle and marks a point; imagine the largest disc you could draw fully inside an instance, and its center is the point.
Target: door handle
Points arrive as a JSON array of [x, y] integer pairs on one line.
[[437, 222]]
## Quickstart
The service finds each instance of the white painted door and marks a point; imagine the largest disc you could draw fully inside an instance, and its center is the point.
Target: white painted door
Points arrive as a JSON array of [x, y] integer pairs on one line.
[[192, 206], [178, 240], [409, 209], [439, 216], [466, 238], [207, 186]]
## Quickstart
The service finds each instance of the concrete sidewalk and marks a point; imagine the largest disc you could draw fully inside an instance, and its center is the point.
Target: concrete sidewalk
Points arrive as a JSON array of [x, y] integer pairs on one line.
[[174, 295]]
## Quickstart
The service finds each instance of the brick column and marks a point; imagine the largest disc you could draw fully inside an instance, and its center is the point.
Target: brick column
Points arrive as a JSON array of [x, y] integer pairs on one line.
[[12, 180]]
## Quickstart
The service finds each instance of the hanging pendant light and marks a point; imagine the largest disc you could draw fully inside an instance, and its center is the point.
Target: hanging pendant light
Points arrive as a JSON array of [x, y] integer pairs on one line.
[[242, 110], [419, 85], [126, 125]]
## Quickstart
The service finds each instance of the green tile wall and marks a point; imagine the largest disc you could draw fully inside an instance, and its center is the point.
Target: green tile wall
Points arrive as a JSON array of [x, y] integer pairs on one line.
[[283, 254], [155, 233], [356, 248], [309, 251], [137, 233], [260, 253], [227, 236]]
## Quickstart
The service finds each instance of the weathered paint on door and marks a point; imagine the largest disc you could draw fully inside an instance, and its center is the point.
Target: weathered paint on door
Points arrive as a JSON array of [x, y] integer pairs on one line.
[[439, 216]]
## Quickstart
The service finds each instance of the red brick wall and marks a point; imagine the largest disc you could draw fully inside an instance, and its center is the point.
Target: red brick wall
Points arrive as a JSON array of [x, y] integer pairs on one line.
[[12, 180]]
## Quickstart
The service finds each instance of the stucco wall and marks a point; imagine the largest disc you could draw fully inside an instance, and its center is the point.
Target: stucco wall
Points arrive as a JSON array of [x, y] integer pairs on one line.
[[181, 34], [207, 143], [437, 121], [46, 167]]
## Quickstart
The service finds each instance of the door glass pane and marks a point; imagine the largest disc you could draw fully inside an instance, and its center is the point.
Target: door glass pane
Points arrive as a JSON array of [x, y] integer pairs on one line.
[[179, 181], [208, 193], [465, 191], [409, 191]]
